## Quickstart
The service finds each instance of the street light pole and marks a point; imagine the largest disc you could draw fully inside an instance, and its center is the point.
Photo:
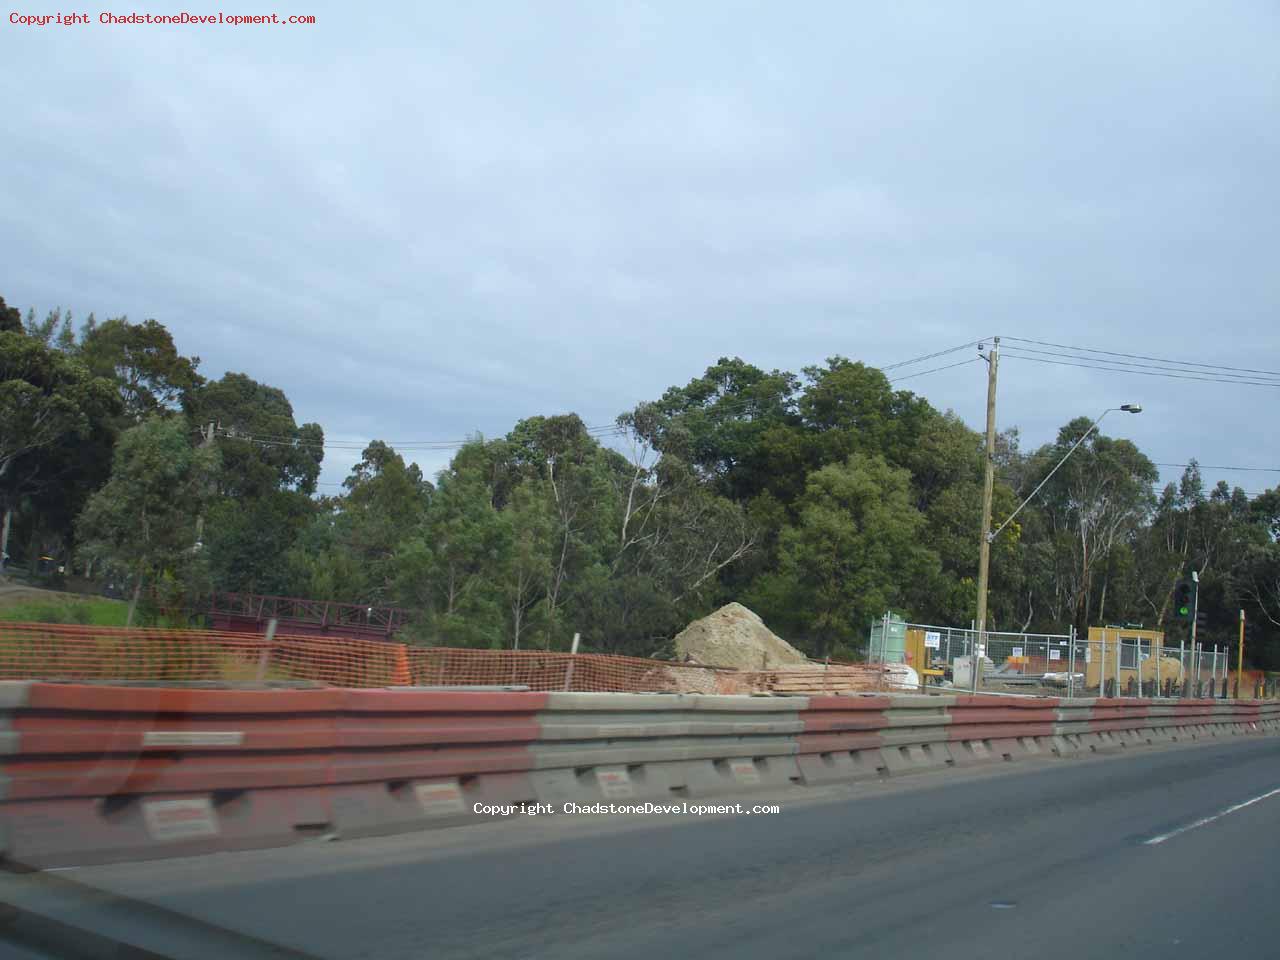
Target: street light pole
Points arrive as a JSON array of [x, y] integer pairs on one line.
[[989, 535]]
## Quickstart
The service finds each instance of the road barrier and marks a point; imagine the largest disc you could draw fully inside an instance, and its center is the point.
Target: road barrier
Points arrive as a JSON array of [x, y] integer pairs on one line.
[[96, 773], [608, 747]]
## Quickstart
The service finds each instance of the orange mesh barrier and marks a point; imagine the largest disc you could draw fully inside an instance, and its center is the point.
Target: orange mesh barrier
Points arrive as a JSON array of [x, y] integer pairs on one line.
[[80, 653]]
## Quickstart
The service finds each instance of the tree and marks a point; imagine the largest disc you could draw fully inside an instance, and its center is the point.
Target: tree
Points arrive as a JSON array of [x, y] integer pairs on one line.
[[46, 398], [347, 550], [263, 448], [450, 568], [530, 537], [1100, 497], [10, 318], [736, 425], [853, 553], [246, 539], [142, 361], [850, 407], [143, 520]]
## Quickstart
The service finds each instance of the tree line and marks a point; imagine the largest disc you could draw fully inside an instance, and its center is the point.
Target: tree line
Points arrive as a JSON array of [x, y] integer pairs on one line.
[[820, 499]]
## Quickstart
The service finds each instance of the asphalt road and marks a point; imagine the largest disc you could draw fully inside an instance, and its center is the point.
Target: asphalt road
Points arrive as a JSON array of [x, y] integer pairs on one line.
[[1038, 859]]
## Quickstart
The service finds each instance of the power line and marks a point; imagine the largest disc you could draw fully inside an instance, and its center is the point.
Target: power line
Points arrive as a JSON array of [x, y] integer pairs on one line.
[[930, 356], [1126, 363], [1141, 373], [599, 431], [356, 446], [1138, 356], [1207, 466], [949, 366]]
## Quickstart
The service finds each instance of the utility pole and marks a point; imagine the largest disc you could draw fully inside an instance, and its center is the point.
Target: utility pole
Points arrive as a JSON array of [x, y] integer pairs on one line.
[[1195, 610], [1240, 657], [988, 483], [4, 537], [206, 440]]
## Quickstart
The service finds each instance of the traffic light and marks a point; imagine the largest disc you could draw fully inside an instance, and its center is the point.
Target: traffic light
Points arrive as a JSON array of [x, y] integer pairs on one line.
[[1202, 621], [1183, 599]]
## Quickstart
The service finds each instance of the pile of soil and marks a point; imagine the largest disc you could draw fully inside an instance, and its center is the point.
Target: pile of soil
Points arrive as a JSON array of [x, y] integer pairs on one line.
[[734, 636]]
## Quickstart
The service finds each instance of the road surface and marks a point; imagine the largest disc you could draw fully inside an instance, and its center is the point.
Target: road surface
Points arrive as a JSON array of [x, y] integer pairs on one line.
[[1163, 852]]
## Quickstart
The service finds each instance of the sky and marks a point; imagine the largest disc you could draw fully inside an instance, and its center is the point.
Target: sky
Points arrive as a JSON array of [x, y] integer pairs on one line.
[[437, 219]]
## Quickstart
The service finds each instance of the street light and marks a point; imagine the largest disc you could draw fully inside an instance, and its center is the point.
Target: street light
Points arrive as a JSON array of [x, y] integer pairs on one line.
[[989, 537], [1126, 408]]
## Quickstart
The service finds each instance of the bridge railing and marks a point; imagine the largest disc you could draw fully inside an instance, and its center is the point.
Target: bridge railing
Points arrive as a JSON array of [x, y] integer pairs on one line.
[[322, 613]]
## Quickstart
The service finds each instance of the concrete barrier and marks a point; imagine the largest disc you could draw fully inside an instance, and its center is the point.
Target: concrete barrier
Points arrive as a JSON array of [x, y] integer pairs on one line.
[[994, 728], [93, 774], [841, 738], [96, 773], [404, 759], [603, 747]]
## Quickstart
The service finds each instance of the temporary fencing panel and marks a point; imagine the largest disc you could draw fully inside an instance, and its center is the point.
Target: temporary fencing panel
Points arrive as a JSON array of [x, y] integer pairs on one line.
[[82, 654]]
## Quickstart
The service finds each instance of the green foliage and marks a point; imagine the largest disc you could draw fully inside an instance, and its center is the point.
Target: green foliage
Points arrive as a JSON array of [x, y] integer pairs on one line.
[[820, 498], [141, 359], [263, 450], [853, 552], [45, 396], [143, 520], [10, 318], [245, 539]]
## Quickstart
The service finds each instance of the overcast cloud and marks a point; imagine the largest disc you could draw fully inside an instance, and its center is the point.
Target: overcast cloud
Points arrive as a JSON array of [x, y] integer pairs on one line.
[[432, 222]]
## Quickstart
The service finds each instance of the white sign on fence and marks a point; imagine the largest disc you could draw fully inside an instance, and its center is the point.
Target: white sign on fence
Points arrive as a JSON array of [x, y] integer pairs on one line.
[[932, 639], [180, 819], [440, 797], [1017, 652], [1055, 654]]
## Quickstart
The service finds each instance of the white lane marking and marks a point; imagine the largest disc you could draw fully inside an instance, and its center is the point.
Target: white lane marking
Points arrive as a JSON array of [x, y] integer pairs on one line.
[[1204, 820]]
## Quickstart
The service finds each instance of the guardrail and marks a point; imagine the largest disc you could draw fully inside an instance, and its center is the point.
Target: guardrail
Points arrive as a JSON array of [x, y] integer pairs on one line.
[[100, 773]]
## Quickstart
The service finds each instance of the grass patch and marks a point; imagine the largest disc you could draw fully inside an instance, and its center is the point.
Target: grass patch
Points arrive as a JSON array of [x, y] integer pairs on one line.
[[91, 611]]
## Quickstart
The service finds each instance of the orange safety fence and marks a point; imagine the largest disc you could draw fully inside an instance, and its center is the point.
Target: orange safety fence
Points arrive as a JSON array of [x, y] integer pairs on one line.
[[80, 653]]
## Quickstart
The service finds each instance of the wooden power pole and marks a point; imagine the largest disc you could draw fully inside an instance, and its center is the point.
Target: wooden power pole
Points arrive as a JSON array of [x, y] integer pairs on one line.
[[1240, 658], [988, 483]]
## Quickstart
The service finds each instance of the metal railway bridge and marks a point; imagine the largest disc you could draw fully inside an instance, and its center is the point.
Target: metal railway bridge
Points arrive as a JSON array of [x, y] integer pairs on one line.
[[250, 613]]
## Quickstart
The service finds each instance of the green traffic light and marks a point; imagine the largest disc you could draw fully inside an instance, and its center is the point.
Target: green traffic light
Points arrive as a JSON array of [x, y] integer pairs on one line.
[[1183, 611]]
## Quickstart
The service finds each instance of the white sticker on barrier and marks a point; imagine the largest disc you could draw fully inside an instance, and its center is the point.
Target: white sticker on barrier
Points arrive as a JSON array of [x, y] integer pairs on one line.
[[180, 819], [1017, 652], [744, 771], [614, 782], [1055, 654], [440, 797], [932, 639], [192, 738]]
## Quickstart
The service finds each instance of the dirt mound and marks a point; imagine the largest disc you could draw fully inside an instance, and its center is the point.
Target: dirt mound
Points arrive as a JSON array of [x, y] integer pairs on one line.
[[733, 636]]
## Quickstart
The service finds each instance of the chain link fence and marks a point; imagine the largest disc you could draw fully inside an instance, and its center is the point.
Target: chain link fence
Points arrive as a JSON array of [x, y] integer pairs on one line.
[[1113, 661]]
